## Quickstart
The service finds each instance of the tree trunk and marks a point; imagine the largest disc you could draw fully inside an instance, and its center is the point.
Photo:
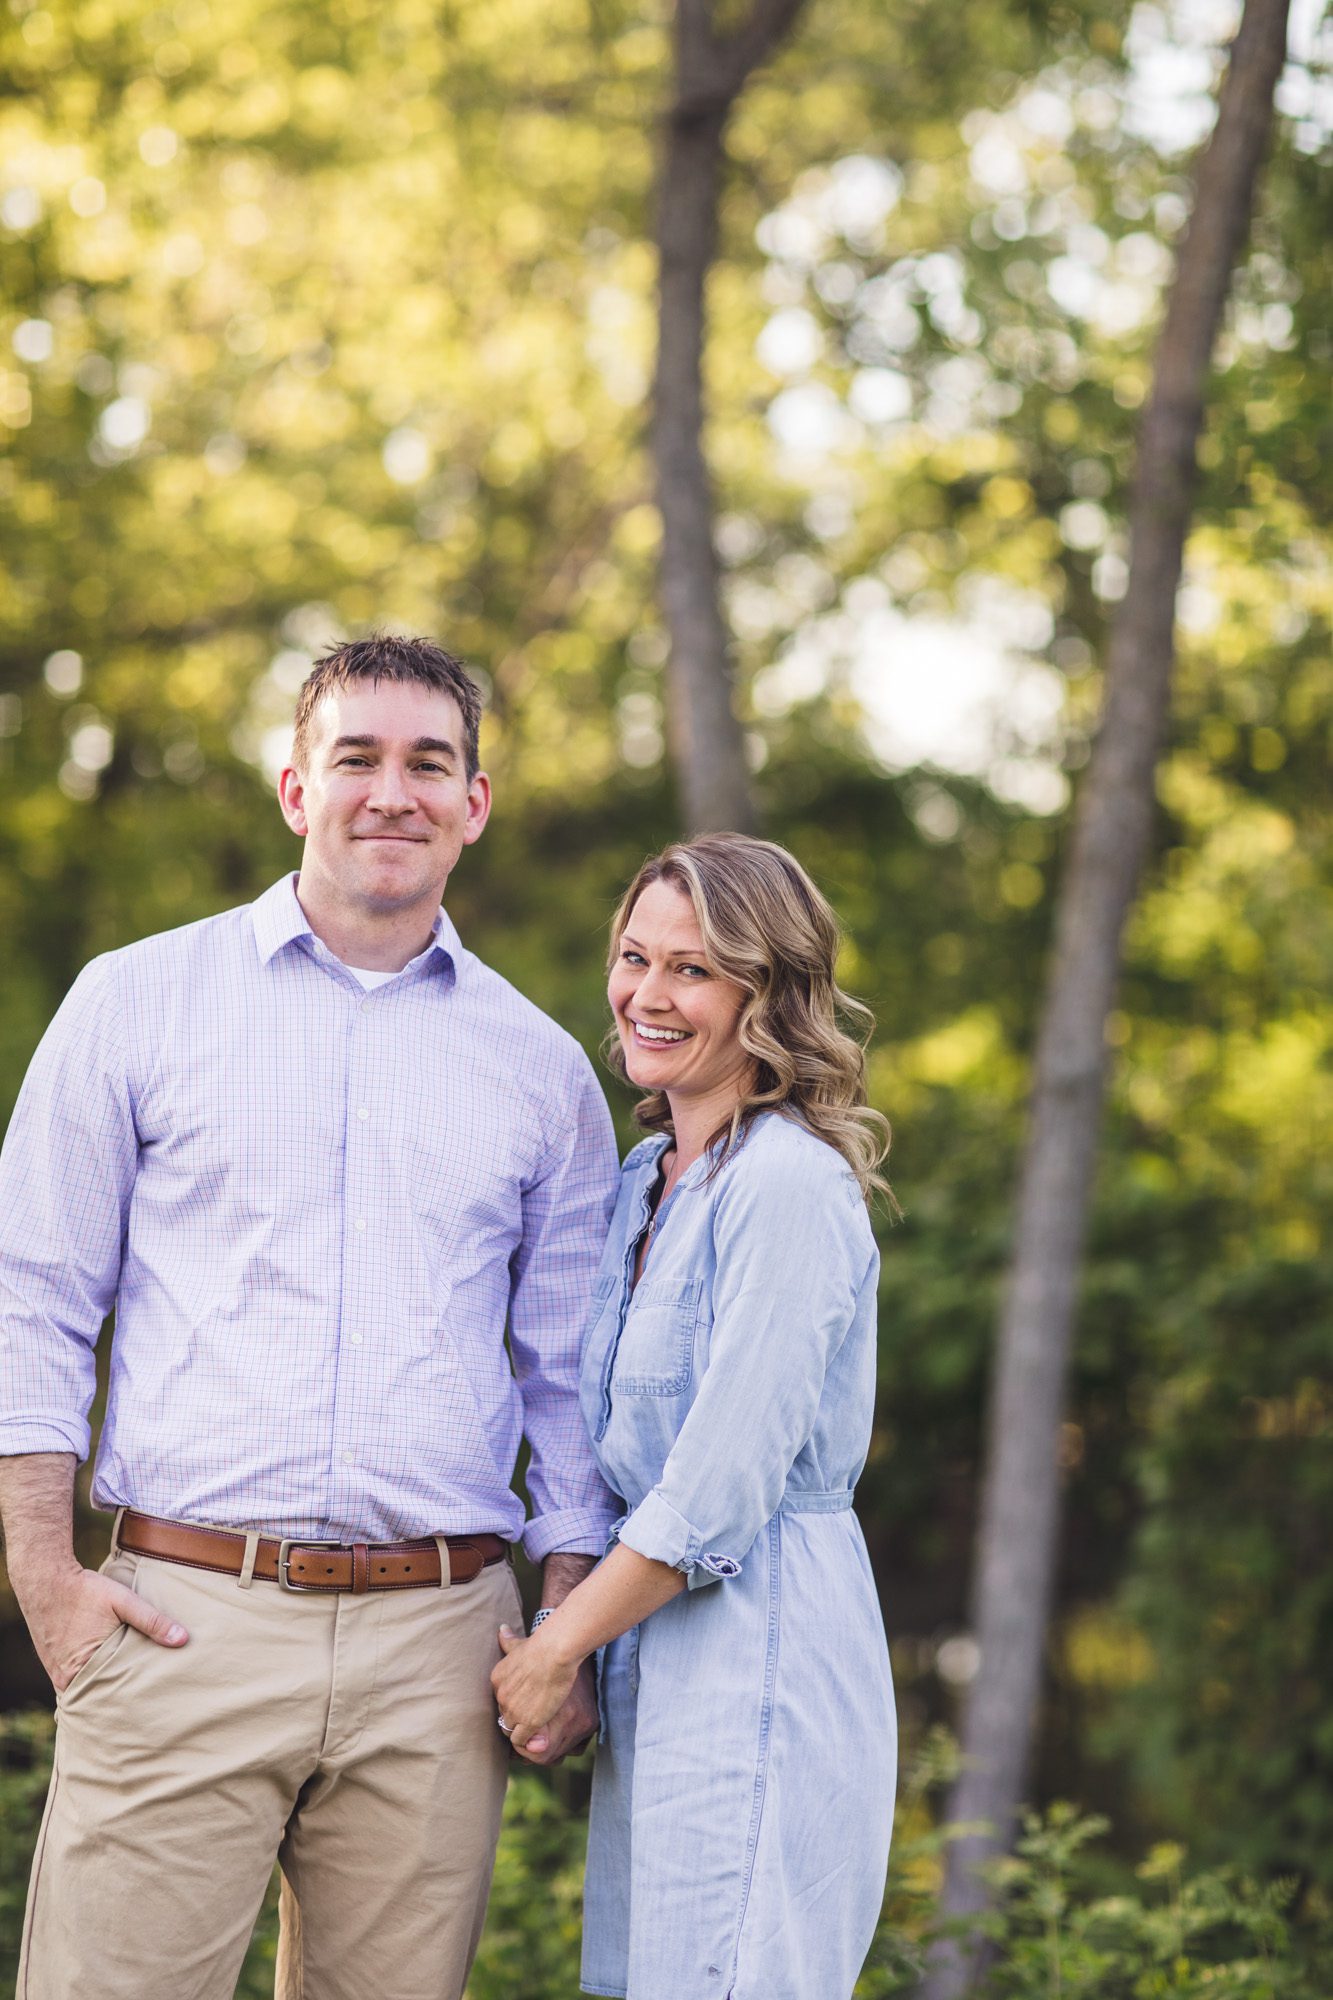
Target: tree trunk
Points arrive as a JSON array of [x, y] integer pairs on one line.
[[704, 734], [1019, 1524]]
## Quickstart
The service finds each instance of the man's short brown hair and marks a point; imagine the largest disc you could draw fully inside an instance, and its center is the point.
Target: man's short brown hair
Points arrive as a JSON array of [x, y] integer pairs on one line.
[[384, 657]]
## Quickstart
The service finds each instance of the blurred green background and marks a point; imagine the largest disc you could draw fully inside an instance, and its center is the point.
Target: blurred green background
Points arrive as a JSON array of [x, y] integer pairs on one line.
[[322, 319]]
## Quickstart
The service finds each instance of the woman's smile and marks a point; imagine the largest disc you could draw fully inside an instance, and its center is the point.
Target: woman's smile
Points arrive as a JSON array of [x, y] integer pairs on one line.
[[644, 1033]]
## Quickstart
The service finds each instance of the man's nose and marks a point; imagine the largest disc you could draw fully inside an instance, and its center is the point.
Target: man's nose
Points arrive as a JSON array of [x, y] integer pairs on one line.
[[390, 791]]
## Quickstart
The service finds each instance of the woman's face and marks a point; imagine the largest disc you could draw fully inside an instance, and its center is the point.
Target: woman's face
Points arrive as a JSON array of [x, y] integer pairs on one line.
[[676, 1018]]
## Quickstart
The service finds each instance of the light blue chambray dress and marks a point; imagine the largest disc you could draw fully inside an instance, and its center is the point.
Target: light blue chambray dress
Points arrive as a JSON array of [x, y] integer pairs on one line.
[[743, 1793]]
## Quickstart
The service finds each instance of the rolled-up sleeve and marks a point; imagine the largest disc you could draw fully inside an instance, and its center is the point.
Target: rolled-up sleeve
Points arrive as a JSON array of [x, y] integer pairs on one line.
[[793, 1251], [565, 1218], [66, 1179]]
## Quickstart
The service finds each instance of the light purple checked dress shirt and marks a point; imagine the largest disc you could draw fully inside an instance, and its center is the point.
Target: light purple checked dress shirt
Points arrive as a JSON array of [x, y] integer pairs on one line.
[[312, 1207]]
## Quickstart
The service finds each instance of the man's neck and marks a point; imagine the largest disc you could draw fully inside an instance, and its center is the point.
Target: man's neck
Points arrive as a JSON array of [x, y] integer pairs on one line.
[[375, 940]]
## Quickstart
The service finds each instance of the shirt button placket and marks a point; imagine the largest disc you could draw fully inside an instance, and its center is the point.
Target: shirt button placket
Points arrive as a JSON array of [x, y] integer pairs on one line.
[[358, 1181]]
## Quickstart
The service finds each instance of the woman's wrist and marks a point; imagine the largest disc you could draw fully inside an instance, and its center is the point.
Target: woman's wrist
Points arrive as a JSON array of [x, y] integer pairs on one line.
[[550, 1633]]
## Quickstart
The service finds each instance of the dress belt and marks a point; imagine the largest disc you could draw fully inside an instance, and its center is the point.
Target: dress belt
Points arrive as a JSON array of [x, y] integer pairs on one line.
[[303, 1563]]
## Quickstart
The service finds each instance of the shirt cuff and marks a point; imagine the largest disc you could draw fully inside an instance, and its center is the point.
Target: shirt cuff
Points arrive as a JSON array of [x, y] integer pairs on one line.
[[657, 1531], [20, 1436], [573, 1531]]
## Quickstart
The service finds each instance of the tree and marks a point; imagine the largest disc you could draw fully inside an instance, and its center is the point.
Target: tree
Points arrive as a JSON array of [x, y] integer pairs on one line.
[[1019, 1519], [704, 732]]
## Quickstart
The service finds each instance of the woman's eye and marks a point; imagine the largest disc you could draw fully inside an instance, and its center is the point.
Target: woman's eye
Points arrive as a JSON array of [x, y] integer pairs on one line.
[[700, 970], [631, 958]]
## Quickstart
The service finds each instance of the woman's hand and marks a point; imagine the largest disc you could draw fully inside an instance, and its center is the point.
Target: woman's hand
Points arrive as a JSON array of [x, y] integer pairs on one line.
[[531, 1684]]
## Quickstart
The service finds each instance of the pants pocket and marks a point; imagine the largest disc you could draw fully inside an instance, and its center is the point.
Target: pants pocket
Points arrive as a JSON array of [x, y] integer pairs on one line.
[[122, 1568]]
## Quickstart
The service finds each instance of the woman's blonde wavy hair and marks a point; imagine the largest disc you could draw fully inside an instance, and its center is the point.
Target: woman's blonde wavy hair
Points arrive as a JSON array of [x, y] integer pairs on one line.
[[766, 926]]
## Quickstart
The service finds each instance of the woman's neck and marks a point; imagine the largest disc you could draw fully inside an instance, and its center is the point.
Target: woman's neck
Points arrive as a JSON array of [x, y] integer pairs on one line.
[[695, 1120]]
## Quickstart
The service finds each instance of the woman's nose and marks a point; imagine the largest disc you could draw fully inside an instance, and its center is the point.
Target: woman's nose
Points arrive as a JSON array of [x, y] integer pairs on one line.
[[651, 989]]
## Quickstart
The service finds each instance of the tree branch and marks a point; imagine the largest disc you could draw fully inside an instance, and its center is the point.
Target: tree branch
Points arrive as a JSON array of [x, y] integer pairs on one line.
[[712, 72]]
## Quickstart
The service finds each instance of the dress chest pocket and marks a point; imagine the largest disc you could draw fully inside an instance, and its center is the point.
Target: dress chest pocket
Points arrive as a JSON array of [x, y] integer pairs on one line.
[[655, 1356]]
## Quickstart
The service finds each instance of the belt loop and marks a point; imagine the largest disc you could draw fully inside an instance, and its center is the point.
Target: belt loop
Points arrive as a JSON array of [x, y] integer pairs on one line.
[[115, 1530], [247, 1571], [446, 1573]]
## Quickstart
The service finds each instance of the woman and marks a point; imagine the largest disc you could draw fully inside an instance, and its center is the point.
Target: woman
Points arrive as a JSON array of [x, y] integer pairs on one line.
[[743, 1792]]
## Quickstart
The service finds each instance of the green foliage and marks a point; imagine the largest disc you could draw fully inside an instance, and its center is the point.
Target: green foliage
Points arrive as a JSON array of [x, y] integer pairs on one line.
[[534, 1918], [1208, 1935], [1062, 1931], [26, 1741], [1163, 1933], [322, 317]]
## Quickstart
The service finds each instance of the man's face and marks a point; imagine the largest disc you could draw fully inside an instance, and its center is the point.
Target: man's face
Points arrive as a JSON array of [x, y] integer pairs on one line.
[[384, 805]]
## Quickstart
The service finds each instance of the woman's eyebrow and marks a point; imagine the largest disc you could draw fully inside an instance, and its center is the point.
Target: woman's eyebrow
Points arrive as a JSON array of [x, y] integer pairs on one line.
[[672, 950]]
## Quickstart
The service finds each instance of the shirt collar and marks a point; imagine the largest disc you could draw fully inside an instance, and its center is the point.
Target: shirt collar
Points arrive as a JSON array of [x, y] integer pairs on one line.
[[279, 920]]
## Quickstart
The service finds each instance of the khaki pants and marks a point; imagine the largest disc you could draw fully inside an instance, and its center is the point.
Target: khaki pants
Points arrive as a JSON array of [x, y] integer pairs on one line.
[[352, 1737]]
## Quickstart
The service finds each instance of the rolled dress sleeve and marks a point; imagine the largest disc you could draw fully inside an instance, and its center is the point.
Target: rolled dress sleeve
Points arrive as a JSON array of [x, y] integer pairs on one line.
[[66, 1178], [793, 1249], [565, 1217]]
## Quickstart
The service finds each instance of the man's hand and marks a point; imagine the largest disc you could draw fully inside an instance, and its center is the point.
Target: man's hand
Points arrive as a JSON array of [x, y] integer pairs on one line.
[[571, 1728], [69, 1609], [69, 1615]]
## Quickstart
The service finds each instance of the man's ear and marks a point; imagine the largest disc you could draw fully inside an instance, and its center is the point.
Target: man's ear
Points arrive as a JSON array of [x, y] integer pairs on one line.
[[291, 797], [478, 808]]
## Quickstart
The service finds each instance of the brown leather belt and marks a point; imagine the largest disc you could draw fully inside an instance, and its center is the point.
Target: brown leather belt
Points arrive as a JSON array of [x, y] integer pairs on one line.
[[302, 1564]]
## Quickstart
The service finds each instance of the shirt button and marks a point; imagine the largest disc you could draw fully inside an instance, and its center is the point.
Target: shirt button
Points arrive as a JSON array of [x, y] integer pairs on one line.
[[363, 1007], [347, 1458], [362, 1112], [361, 1222], [356, 1340]]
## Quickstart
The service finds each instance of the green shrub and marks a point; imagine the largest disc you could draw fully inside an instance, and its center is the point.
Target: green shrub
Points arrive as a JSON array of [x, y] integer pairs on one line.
[[1056, 1935], [26, 1742]]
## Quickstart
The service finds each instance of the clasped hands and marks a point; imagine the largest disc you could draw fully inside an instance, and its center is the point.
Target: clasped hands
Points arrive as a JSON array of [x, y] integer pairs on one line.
[[549, 1704]]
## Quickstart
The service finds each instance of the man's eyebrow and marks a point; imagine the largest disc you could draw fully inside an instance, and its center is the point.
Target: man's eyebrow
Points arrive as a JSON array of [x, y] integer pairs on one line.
[[436, 743]]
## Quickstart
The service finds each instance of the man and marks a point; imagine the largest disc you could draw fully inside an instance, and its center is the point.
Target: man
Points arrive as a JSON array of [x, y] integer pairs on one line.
[[313, 1152]]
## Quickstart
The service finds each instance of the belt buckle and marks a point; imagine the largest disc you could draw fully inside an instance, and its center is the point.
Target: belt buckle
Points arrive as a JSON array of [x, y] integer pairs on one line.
[[285, 1547]]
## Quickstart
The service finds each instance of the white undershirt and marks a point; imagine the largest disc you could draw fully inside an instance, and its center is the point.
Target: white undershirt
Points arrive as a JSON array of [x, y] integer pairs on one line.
[[367, 977]]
